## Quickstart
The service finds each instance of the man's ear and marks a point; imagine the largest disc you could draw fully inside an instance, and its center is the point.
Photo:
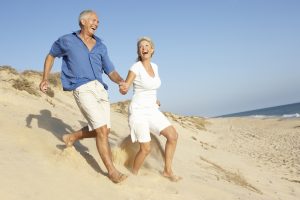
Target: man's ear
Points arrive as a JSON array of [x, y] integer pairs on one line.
[[82, 21]]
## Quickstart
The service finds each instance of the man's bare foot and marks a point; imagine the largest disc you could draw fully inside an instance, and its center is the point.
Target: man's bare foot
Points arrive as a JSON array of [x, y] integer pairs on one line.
[[172, 177], [117, 177], [68, 140], [134, 172]]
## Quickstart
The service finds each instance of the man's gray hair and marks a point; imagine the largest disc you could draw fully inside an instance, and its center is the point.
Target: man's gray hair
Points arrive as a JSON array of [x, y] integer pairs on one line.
[[83, 15]]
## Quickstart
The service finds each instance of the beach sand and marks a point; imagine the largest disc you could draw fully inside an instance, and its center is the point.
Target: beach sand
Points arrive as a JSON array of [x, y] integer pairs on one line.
[[221, 158]]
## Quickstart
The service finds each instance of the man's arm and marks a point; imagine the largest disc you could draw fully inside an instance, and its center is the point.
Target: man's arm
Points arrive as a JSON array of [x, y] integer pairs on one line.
[[115, 77], [47, 68], [28, 120]]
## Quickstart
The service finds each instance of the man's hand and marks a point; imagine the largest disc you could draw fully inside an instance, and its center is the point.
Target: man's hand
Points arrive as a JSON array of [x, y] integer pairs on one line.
[[44, 86], [123, 87]]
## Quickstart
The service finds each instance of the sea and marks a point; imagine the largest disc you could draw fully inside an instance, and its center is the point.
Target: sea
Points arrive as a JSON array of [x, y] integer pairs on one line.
[[283, 111]]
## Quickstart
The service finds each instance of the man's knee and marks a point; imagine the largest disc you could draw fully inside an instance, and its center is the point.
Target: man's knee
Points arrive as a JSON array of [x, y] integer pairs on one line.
[[102, 132]]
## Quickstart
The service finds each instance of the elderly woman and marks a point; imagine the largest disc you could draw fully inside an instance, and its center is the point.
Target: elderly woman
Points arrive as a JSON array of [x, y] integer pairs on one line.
[[144, 113]]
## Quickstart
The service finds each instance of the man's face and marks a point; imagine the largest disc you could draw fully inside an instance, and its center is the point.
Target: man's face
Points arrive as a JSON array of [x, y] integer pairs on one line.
[[90, 23]]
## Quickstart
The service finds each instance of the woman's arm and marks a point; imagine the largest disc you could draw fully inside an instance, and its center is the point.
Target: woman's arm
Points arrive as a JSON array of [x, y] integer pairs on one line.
[[124, 87]]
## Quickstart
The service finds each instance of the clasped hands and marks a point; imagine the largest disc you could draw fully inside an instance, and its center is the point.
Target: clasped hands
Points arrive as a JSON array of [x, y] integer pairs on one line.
[[123, 87]]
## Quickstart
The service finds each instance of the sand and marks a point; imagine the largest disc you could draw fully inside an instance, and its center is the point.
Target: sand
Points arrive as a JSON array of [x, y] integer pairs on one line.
[[222, 158]]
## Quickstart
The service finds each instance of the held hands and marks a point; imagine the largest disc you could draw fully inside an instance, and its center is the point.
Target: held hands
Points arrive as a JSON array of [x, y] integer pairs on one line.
[[123, 87], [44, 86]]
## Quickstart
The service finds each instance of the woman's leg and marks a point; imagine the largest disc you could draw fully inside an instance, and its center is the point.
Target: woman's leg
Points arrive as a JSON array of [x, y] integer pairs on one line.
[[170, 147], [145, 149]]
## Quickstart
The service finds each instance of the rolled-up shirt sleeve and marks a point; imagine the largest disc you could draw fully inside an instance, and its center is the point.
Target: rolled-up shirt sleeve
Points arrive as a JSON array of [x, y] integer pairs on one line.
[[57, 49]]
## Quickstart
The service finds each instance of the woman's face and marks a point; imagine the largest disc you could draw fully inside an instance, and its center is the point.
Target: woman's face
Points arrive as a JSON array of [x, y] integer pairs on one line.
[[145, 50]]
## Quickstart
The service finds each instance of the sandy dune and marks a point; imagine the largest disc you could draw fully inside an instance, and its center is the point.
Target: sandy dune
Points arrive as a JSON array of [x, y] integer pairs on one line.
[[224, 158]]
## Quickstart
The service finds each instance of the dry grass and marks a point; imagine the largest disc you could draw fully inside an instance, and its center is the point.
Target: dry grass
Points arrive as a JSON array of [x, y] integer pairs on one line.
[[121, 107], [8, 69], [24, 80], [232, 177], [28, 86], [185, 121], [54, 79], [50, 92], [188, 121], [30, 73], [23, 84]]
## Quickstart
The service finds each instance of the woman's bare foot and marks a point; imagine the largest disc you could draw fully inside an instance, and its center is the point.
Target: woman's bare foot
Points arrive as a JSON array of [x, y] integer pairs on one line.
[[117, 177], [172, 177], [68, 140]]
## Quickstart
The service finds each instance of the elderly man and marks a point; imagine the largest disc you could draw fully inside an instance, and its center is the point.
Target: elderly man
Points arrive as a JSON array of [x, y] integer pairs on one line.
[[84, 59]]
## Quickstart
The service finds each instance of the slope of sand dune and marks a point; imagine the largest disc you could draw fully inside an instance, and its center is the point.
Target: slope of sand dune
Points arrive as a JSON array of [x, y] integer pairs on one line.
[[224, 158]]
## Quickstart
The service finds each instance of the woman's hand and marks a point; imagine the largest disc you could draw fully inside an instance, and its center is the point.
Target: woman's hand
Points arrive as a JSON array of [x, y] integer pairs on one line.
[[123, 87]]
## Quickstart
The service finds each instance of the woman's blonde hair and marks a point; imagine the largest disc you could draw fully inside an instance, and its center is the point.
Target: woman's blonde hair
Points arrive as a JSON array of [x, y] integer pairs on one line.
[[148, 39]]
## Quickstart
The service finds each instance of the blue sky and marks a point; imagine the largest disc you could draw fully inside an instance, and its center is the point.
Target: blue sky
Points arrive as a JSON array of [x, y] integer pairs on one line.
[[215, 57]]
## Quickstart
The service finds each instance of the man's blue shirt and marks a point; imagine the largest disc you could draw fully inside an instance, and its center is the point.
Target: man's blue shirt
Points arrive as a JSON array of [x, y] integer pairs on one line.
[[79, 65]]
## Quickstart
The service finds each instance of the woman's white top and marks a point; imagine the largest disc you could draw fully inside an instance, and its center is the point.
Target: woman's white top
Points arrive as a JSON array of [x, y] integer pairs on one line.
[[144, 113], [144, 88]]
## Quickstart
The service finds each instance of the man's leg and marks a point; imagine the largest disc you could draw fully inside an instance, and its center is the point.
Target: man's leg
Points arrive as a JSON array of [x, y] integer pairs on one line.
[[103, 147], [69, 139], [105, 154], [92, 99]]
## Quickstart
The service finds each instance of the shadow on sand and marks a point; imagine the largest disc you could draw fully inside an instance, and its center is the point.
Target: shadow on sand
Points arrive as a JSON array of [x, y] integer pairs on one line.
[[58, 128]]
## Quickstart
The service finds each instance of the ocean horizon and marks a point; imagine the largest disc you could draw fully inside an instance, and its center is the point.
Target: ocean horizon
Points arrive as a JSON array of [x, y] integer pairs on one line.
[[285, 111]]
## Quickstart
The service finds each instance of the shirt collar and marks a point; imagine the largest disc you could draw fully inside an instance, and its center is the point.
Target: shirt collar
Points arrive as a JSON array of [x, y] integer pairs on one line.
[[94, 36]]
